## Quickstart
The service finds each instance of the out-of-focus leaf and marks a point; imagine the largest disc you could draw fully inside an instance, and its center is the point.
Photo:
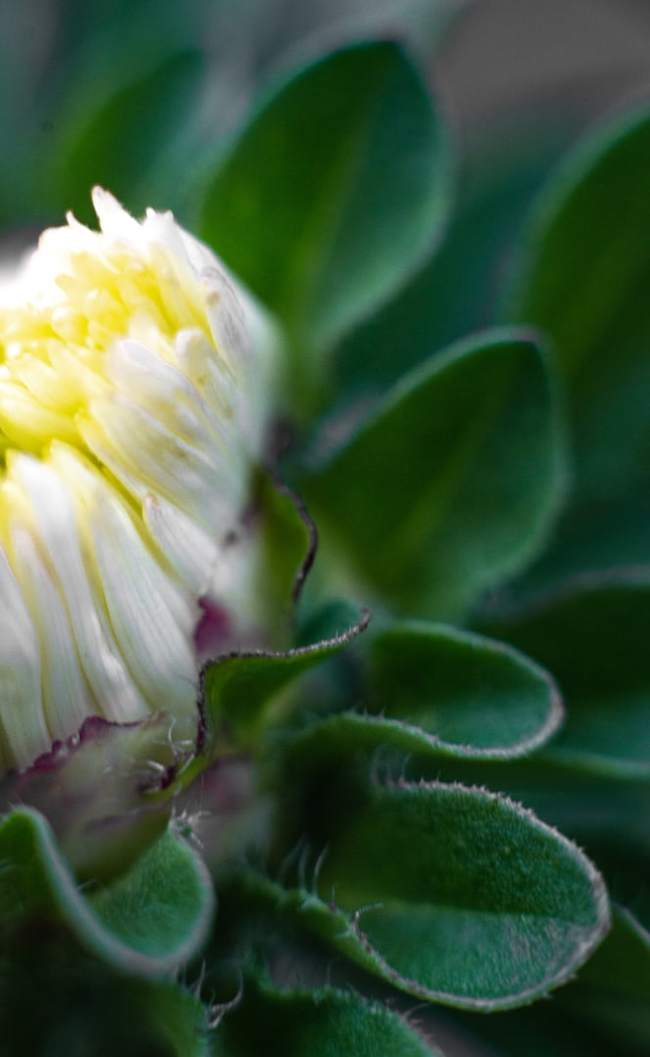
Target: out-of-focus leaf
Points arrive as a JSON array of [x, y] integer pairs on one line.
[[148, 922], [332, 193], [613, 991], [453, 895], [319, 1023], [458, 289], [55, 1000], [583, 278], [119, 136], [593, 637], [453, 482]]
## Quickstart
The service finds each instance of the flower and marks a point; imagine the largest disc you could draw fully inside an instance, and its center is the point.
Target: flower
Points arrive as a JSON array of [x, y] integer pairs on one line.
[[134, 392]]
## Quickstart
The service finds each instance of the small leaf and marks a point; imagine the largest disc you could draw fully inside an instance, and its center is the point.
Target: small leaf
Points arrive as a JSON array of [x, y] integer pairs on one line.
[[319, 1023], [293, 207], [453, 482], [239, 689], [453, 895], [593, 637], [148, 922], [583, 278]]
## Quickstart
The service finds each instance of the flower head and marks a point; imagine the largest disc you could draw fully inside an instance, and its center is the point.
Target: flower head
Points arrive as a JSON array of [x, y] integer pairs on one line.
[[134, 382]]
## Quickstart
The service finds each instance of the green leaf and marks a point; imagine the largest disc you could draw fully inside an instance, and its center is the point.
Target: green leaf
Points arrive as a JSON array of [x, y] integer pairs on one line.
[[239, 690], [453, 895], [117, 137], [294, 206], [436, 691], [148, 922], [613, 991], [593, 637], [319, 1023], [583, 278], [453, 482]]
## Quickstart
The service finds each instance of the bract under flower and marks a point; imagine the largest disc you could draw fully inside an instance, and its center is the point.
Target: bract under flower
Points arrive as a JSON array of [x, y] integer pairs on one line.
[[134, 394]]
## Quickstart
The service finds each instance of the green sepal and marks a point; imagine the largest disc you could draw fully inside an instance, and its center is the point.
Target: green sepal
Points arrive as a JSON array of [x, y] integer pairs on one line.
[[453, 482], [148, 922], [321, 1023], [293, 206], [453, 895], [582, 277], [592, 635]]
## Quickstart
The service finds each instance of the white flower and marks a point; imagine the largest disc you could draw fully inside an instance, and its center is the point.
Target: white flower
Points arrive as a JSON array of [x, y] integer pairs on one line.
[[135, 383]]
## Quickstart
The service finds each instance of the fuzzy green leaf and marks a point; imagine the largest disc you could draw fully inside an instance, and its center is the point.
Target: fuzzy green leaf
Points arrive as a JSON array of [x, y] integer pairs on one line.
[[583, 278], [320, 1023], [453, 482], [293, 206], [148, 922], [593, 637], [453, 895]]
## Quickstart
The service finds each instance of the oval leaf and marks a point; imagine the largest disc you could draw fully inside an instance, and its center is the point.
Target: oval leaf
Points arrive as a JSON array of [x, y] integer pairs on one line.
[[293, 207], [453, 895], [593, 638], [583, 278], [319, 1023], [454, 481], [148, 922]]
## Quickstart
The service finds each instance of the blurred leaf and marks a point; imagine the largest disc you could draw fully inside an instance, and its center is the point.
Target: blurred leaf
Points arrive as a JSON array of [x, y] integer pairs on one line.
[[147, 923], [583, 278], [332, 193], [593, 637], [55, 1001], [613, 991], [239, 689], [319, 1023], [453, 895], [453, 482], [118, 135], [456, 290]]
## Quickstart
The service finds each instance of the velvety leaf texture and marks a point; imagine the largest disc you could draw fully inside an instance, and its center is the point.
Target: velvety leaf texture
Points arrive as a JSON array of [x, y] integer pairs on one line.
[[453, 482], [342, 141], [148, 922], [453, 895], [319, 1023]]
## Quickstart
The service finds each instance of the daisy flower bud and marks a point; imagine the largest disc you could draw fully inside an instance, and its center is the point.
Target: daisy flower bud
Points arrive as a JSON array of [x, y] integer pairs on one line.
[[134, 394]]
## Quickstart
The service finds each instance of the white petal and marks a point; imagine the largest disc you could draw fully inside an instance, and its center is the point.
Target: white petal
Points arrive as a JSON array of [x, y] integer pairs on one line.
[[191, 551], [54, 517], [66, 699], [21, 709], [145, 610]]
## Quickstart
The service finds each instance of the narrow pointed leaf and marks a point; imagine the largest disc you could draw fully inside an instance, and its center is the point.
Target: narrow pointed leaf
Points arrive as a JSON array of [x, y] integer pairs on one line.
[[148, 922], [453, 482]]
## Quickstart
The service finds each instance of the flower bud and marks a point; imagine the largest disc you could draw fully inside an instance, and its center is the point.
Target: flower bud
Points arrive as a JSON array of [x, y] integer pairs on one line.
[[134, 394]]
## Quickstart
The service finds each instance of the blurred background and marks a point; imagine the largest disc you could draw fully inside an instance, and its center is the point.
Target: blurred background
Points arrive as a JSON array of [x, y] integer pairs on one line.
[[141, 96]]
